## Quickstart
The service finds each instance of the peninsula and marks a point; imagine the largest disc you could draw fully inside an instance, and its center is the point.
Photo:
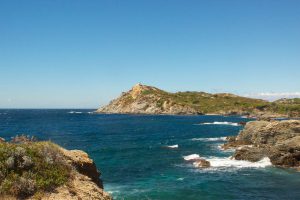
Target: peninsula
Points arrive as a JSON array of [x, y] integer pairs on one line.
[[143, 99]]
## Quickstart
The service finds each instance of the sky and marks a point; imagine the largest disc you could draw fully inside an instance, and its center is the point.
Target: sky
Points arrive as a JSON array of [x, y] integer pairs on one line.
[[82, 54]]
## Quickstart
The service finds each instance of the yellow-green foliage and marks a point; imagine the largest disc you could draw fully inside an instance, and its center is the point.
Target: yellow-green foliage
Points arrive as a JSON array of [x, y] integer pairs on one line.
[[217, 103], [31, 167]]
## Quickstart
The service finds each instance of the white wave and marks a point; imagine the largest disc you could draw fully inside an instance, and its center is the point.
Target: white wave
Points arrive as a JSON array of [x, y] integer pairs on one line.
[[220, 147], [173, 146], [220, 123], [191, 157], [209, 139], [74, 112], [228, 162], [180, 179], [245, 117]]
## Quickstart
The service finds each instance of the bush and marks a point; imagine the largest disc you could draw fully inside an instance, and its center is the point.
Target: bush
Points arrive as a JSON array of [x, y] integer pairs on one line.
[[28, 167]]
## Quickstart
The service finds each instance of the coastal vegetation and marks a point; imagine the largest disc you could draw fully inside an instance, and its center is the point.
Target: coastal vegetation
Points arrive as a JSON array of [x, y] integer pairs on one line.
[[35, 169], [28, 167]]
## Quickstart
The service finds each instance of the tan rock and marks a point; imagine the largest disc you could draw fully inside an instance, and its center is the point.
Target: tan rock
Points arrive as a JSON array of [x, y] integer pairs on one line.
[[201, 163], [278, 140], [84, 165], [82, 187]]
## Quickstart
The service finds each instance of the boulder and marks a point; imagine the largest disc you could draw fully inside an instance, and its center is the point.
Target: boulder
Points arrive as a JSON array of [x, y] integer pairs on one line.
[[84, 165], [201, 163], [252, 154]]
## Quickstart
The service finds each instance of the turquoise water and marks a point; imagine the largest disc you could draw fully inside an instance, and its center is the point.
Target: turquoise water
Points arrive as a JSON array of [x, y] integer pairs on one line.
[[130, 151]]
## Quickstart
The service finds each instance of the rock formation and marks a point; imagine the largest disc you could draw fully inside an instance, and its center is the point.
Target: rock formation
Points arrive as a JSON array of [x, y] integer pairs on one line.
[[85, 184], [278, 140]]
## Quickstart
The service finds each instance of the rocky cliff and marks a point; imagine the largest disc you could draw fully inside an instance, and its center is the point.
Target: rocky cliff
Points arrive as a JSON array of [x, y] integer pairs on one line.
[[142, 99], [43, 170], [278, 140], [85, 183]]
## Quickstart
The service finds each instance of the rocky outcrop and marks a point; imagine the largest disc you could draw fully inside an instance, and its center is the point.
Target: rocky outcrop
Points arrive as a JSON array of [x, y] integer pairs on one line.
[[143, 99], [85, 183], [83, 164], [278, 140]]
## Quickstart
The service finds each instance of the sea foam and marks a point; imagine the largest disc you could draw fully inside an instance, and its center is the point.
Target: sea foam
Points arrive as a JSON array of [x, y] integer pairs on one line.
[[74, 112], [173, 146], [191, 157], [217, 162], [210, 139], [219, 123]]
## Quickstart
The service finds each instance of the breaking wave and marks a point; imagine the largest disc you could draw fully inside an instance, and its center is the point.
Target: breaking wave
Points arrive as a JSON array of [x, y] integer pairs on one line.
[[173, 146], [228, 162], [191, 157], [220, 123], [209, 139]]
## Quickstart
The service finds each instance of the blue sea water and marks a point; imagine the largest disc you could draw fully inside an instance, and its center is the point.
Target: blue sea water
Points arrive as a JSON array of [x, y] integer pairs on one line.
[[130, 151]]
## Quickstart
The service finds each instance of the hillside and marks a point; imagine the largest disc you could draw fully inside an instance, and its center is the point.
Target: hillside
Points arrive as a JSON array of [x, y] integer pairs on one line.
[[142, 99]]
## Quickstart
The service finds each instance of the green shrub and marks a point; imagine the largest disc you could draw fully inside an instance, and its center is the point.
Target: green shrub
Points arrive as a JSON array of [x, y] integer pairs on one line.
[[30, 167]]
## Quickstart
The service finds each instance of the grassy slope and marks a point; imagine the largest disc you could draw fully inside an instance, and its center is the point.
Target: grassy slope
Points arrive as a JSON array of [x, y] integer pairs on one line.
[[216, 103]]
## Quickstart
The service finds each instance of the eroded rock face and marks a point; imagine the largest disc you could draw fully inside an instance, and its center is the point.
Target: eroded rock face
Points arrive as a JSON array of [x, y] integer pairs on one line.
[[81, 187], [85, 184], [84, 165], [278, 140]]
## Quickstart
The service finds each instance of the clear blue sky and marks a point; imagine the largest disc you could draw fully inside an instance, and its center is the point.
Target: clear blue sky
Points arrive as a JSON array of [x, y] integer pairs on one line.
[[76, 53]]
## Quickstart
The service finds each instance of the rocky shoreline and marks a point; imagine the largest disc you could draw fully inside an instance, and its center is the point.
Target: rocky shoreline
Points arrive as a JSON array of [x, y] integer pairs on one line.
[[277, 140]]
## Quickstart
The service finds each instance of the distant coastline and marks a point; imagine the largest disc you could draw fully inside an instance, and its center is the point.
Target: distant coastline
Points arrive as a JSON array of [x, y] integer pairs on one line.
[[143, 99]]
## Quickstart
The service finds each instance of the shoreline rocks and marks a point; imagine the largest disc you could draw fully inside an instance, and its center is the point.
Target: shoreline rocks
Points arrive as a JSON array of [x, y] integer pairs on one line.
[[278, 140]]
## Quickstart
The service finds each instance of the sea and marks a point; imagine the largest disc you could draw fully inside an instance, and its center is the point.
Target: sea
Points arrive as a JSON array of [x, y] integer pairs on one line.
[[149, 156]]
